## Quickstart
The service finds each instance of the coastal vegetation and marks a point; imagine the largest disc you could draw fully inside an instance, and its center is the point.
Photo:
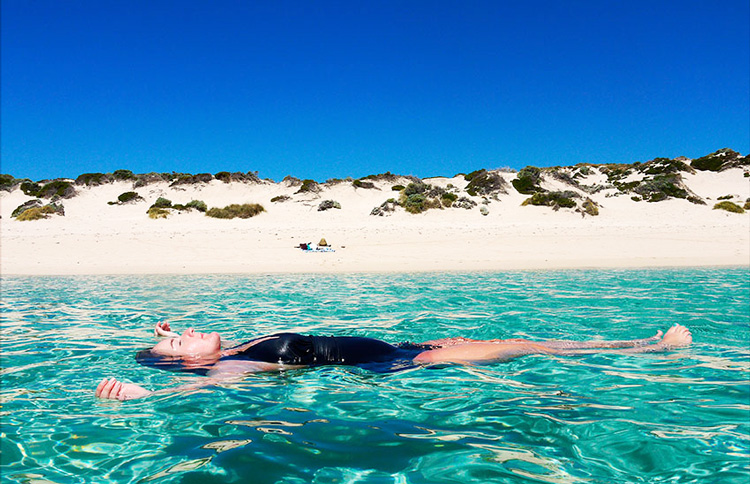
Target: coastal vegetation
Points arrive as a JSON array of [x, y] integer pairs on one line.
[[556, 200], [35, 210], [729, 207], [483, 182], [363, 184], [245, 210], [8, 182], [308, 186], [55, 188], [162, 207], [327, 205], [527, 180], [127, 197], [280, 198], [720, 160], [157, 212]]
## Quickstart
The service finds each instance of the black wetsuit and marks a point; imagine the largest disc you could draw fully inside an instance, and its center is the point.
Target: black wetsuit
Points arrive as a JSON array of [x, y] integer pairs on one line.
[[297, 349]]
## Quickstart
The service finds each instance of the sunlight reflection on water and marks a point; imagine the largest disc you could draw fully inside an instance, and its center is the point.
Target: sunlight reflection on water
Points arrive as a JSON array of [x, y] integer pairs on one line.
[[594, 418]]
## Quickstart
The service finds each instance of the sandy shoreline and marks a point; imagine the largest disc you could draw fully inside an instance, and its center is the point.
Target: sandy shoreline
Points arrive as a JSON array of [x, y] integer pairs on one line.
[[96, 238]]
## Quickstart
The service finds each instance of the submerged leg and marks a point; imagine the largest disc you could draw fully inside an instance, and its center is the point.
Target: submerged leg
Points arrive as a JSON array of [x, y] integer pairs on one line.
[[502, 350], [482, 352], [631, 343]]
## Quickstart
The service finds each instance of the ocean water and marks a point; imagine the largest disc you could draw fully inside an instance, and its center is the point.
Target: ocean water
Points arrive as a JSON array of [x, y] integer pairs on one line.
[[682, 416]]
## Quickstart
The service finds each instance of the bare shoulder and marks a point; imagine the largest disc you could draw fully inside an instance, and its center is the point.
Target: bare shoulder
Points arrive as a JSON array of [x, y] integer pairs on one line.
[[232, 368]]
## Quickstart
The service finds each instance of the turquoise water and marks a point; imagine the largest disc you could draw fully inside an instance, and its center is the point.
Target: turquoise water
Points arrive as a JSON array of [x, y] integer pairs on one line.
[[677, 417]]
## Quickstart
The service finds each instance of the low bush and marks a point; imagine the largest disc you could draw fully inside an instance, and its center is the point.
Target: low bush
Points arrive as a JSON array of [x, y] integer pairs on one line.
[[30, 188], [187, 179], [718, 160], [37, 212], [553, 199], [363, 184], [448, 199], [465, 203], [726, 197], [55, 188], [280, 198], [199, 205], [7, 182], [308, 186], [729, 207], [245, 210], [747, 204], [660, 188], [386, 208], [26, 206], [93, 179], [327, 205], [158, 212], [483, 182], [397, 188], [162, 202], [589, 207], [527, 180], [123, 175], [129, 197]]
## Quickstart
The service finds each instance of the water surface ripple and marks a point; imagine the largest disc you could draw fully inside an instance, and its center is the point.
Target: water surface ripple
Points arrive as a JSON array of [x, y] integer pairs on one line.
[[676, 417]]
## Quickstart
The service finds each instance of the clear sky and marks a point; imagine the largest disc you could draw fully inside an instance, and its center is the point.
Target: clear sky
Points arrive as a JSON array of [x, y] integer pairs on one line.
[[323, 89]]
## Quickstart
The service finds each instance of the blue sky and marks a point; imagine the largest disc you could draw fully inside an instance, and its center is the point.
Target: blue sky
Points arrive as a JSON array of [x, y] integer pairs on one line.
[[324, 89]]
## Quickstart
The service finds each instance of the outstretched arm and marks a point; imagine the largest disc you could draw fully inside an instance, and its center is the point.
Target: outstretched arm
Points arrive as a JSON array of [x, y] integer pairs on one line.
[[224, 372]]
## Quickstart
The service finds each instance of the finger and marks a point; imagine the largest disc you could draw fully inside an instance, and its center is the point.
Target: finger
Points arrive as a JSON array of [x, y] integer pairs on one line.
[[107, 392], [99, 387]]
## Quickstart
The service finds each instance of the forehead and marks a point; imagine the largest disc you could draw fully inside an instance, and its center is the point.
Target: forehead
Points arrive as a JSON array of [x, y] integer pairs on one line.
[[164, 346]]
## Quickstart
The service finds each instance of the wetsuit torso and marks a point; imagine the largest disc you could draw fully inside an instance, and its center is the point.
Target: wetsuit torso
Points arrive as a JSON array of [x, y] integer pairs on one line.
[[297, 349]]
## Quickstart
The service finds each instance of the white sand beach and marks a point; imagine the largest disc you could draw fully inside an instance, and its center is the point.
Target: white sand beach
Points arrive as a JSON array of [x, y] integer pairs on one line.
[[96, 238]]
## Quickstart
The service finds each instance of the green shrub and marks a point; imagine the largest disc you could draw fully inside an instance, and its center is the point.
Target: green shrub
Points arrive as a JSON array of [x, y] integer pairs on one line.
[[158, 212], [93, 179], [246, 210], [123, 175], [527, 180], [199, 205], [328, 204], [725, 197], [30, 188], [37, 213], [590, 207], [308, 186], [553, 199], [483, 182], [162, 202], [280, 198], [729, 207], [662, 166], [747, 205], [660, 188], [448, 198], [718, 160], [7, 182], [397, 188], [224, 176], [25, 206], [129, 197], [363, 184], [187, 179]]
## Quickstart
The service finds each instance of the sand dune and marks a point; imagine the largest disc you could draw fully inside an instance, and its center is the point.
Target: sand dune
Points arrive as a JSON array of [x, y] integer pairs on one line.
[[94, 237]]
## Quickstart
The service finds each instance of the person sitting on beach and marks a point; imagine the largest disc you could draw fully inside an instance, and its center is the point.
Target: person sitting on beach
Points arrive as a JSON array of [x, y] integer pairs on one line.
[[201, 353]]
